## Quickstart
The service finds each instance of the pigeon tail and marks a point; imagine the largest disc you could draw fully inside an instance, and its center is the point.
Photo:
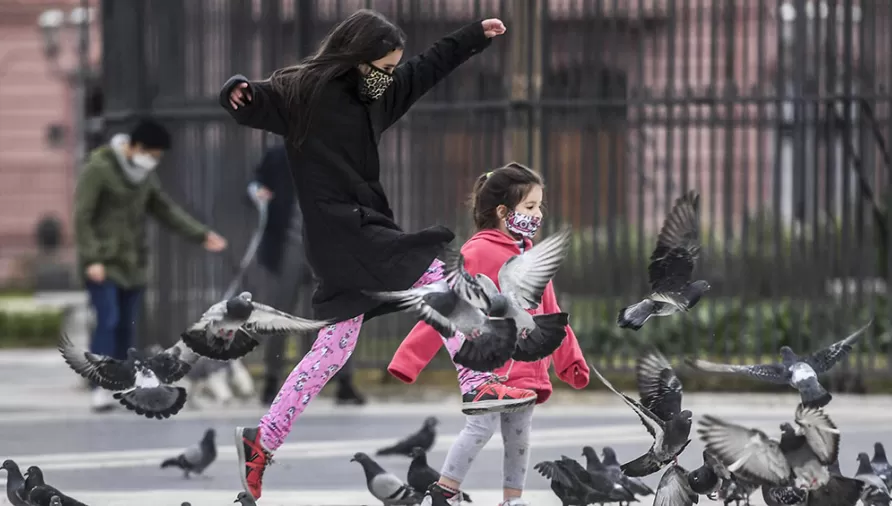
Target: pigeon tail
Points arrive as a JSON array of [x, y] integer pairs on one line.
[[158, 402], [634, 316], [814, 395], [178, 461], [490, 350], [551, 329], [644, 465]]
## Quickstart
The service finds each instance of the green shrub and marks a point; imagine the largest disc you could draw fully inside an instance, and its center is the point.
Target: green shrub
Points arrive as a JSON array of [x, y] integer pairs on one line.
[[27, 329]]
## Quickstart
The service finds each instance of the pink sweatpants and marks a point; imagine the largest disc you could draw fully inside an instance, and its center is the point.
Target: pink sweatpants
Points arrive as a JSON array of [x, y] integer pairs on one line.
[[332, 348]]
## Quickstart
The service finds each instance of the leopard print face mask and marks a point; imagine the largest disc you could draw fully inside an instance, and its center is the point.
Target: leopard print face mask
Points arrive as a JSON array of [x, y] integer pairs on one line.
[[374, 84]]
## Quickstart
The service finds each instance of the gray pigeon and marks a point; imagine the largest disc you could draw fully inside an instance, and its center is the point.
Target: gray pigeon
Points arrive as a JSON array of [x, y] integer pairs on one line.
[[674, 489], [799, 372], [880, 464], [245, 499], [386, 487], [784, 496], [874, 490], [142, 381], [15, 483], [671, 267], [670, 437], [522, 281], [229, 329], [659, 387], [196, 458], [423, 438], [612, 466], [574, 485], [489, 340]]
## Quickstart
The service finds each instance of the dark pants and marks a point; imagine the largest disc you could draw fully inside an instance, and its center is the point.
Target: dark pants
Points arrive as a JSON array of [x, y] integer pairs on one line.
[[116, 311]]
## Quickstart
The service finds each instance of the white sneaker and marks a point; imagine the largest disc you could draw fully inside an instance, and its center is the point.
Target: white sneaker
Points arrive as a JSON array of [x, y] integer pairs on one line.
[[218, 384], [517, 501], [428, 500], [240, 379], [102, 400]]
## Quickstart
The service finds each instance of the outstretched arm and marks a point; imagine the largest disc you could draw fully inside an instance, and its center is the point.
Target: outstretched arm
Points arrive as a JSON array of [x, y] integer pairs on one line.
[[417, 76], [263, 109]]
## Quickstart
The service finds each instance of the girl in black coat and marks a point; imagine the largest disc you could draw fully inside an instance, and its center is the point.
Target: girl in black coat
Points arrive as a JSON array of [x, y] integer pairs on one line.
[[332, 109]]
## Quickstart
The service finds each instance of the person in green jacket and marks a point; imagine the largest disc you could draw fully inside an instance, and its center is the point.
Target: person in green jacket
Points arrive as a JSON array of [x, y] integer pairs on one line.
[[117, 189]]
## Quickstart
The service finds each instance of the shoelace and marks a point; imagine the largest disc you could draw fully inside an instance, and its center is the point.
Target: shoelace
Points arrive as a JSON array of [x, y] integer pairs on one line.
[[503, 379]]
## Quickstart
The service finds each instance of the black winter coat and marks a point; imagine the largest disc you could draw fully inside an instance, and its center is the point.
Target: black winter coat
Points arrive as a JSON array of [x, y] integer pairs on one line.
[[351, 240], [274, 173]]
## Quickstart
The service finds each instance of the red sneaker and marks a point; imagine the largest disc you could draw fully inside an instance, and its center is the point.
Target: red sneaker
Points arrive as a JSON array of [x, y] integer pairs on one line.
[[253, 459], [494, 397]]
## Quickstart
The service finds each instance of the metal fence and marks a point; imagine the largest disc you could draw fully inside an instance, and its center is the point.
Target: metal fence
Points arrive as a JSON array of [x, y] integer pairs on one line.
[[776, 111]]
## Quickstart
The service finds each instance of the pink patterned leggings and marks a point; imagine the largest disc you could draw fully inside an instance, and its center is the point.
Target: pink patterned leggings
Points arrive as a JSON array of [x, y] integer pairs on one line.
[[332, 348]]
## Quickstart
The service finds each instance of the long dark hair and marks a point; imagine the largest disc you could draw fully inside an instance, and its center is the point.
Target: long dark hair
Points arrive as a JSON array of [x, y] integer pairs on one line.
[[363, 37], [506, 186]]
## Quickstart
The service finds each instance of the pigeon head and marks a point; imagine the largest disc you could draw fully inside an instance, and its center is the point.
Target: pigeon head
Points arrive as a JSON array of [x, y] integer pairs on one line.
[[134, 354], [9, 465], [416, 452], [787, 429], [498, 306], [590, 453], [609, 455], [210, 435], [685, 415], [703, 480], [431, 422], [359, 457], [694, 291], [787, 355], [862, 458], [668, 377], [244, 499], [879, 453], [36, 474], [239, 308]]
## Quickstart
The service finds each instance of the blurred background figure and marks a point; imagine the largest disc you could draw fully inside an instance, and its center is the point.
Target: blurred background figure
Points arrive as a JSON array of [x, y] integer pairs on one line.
[[282, 256], [115, 193]]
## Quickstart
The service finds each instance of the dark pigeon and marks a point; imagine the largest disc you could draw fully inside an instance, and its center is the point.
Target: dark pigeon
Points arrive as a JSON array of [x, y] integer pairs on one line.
[[784, 495], [874, 490], [670, 437], [615, 472], [606, 480], [421, 476], [15, 484], [659, 387], [386, 487], [231, 328], [489, 340], [736, 490], [423, 439], [674, 489], [196, 458], [799, 372], [671, 267], [522, 281], [706, 479], [574, 485], [142, 381], [880, 464], [40, 494]]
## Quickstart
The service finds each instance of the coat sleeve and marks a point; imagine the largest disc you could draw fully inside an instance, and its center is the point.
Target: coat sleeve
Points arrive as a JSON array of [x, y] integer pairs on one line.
[[417, 76], [163, 208], [569, 361], [86, 199], [266, 110], [415, 352]]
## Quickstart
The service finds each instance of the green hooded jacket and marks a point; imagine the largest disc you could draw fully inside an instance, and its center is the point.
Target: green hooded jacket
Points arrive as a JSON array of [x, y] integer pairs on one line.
[[110, 219]]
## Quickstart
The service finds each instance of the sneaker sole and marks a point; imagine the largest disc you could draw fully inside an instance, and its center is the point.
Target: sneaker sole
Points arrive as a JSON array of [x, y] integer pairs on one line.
[[240, 450], [497, 406]]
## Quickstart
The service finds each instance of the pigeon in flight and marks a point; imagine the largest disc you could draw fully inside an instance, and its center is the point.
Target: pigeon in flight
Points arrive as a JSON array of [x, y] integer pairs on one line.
[[522, 281], [615, 472], [674, 489], [800, 372], [142, 381], [15, 484], [873, 490], [229, 329], [880, 464], [386, 487], [658, 385], [489, 341], [40, 494], [423, 439], [421, 476], [707, 479], [670, 437], [196, 458], [671, 267]]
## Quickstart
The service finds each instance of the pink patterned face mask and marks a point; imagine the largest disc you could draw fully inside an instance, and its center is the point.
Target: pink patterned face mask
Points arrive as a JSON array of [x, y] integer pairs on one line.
[[522, 224]]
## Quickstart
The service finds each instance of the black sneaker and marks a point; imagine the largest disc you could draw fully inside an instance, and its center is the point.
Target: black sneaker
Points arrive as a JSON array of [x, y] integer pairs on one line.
[[436, 496], [252, 459]]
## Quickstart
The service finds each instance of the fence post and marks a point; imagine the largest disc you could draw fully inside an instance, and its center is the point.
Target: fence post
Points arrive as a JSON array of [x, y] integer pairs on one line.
[[525, 73]]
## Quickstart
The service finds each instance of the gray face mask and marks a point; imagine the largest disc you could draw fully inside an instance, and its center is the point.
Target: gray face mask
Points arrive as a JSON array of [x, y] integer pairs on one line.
[[373, 85]]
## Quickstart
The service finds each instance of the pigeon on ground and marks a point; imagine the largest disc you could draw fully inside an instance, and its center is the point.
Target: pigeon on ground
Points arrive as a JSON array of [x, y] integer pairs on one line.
[[196, 458], [40, 494], [659, 387], [521, 282], [670, 437], [421, 476], [230, 329], [386, 487], [674, 489], [15, 484], [874, 490], [799, 372], [142, 381], [671, 267], [245, 499], [489, 341], [423, 439], [615, 472], [574, 485], [601, 474], [880, 464]]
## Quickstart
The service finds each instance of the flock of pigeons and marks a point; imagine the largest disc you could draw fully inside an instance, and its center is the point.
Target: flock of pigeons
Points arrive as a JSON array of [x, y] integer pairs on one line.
[[800, 468]]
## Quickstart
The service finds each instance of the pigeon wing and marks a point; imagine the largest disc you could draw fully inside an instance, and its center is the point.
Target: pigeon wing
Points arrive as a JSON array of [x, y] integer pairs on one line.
[[193, 455], [716, 465], [425, 303], [651, 386], [463, 283], [748, 452], [653, 424], [820, 432], [388, 488], [823, 360], [556, 473], [524, 277], [674, 489], [678, 246], [269, 321], [773, 373], [107, 372]]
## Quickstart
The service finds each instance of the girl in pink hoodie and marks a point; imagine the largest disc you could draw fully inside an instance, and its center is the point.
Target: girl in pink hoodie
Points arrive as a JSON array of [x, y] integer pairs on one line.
[[507, 208]]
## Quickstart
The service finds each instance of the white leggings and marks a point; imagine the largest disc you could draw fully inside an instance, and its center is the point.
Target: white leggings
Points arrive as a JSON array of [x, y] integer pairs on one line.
[[477, 432]]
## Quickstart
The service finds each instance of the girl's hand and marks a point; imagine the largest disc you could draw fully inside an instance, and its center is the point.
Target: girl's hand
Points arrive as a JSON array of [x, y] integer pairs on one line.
[[493, 27], [239, 96]]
